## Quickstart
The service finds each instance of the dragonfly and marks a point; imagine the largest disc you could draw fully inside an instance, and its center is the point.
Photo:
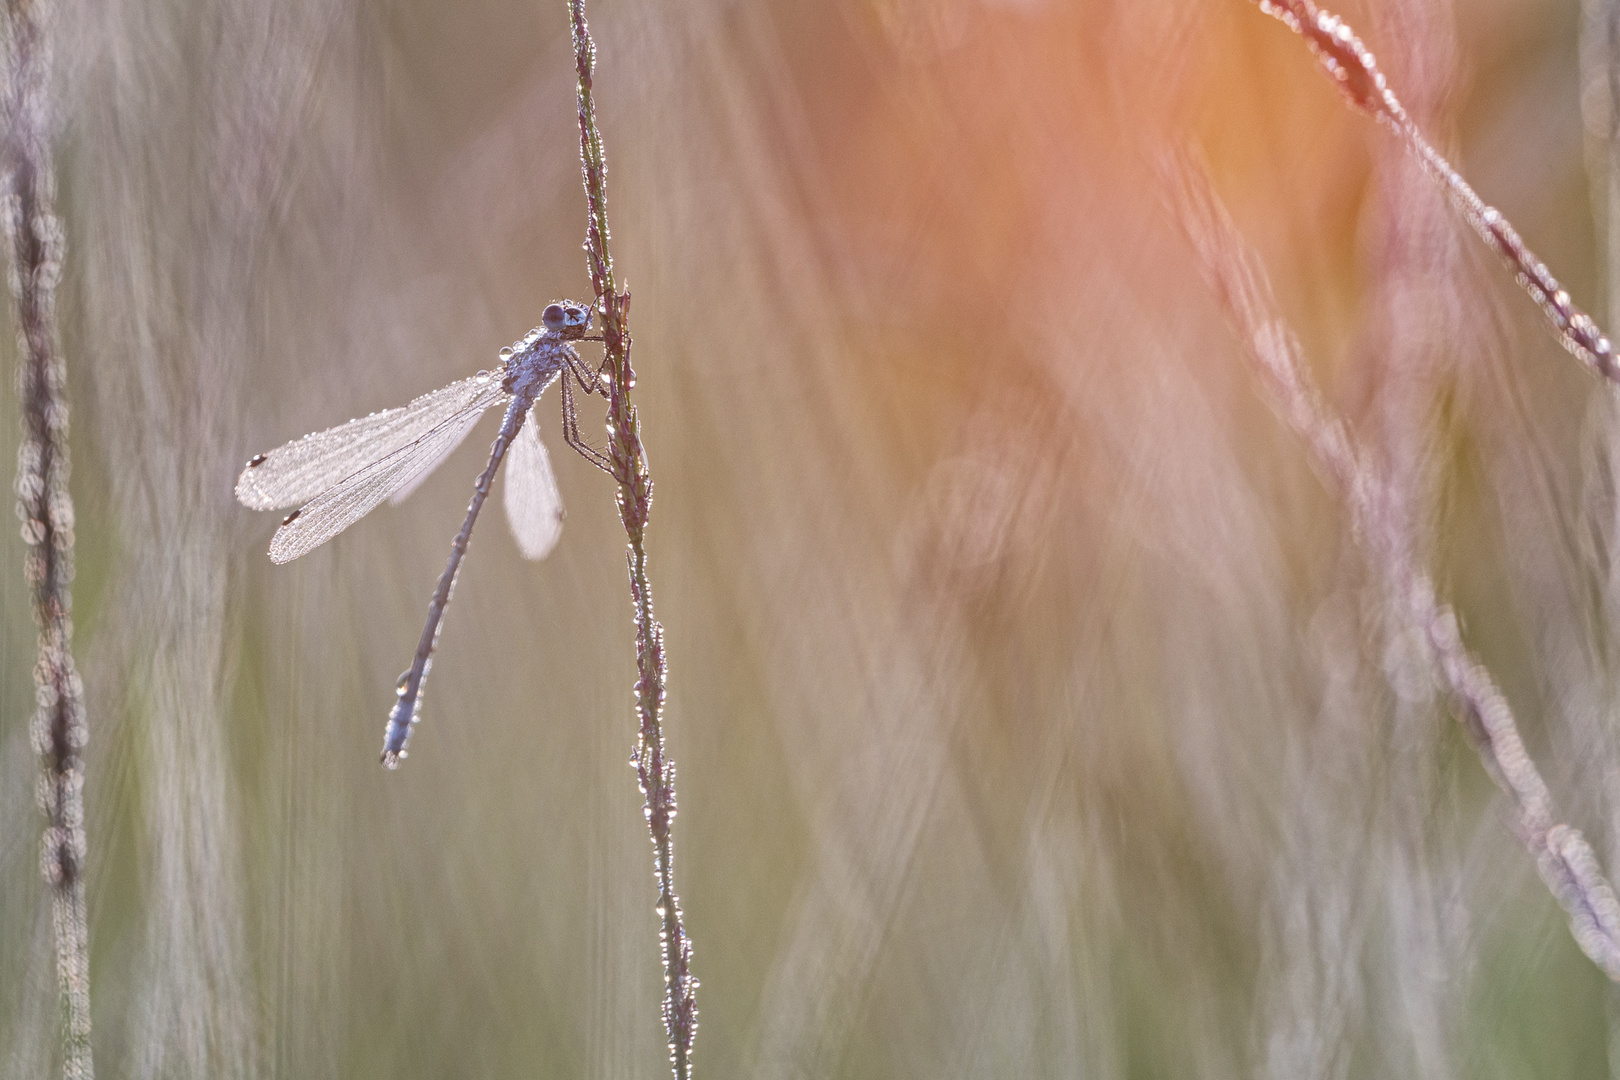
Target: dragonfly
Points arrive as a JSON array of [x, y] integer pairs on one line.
[[337, 476]]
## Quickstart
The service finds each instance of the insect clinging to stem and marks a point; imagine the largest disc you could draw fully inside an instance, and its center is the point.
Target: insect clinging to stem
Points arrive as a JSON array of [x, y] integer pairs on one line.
[[337, 476]]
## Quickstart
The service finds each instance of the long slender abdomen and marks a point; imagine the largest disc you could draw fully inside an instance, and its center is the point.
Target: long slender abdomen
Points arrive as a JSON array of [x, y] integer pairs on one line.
[[407, 710]]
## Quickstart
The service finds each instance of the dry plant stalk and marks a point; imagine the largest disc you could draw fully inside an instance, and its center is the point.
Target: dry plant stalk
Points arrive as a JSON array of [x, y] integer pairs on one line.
[[1563, 856], [655, 771], [1356, 73], [1600, 115], [35, 240]]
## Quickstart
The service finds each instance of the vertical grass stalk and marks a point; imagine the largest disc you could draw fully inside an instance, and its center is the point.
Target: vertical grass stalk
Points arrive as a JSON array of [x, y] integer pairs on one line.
[[1563, 857], [1600, 116], [35, 241], [654, 769], [1354, 69]]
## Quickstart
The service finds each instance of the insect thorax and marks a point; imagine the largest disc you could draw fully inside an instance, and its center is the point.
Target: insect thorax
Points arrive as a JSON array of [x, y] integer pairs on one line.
[[534, 362]]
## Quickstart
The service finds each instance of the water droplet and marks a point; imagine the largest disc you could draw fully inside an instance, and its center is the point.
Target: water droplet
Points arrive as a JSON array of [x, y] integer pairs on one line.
[[506, 352], [404, 682]]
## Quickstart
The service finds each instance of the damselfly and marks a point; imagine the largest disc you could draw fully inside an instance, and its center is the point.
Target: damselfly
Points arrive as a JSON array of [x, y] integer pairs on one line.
[[337, 476]]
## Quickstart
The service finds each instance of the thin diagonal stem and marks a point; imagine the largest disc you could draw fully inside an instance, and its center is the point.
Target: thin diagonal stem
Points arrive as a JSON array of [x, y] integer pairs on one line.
[[34, 239], [654, 769], [1563, 856], [1349, 63]]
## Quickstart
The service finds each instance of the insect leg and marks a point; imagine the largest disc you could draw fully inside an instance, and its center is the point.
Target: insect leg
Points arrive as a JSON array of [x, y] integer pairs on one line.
[[570, 423], [592, 382]]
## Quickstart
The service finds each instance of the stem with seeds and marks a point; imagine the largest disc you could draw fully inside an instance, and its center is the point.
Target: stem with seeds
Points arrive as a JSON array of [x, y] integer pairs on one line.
[[35, 242], [1563, 856], [1352, 66], [629, 467]]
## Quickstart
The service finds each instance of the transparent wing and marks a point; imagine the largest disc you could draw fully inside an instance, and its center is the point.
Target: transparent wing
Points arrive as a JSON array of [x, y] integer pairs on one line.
[[340, 506], [295, 473], [533, 504], [415, 482]]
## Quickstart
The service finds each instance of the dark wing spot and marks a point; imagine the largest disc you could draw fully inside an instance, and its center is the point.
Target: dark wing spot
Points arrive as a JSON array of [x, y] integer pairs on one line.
[[258, 459], [290, 518]]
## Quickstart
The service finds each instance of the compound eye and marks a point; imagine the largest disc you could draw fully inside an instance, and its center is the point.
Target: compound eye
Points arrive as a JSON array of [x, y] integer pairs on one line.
[[555, 317], [579, 316]]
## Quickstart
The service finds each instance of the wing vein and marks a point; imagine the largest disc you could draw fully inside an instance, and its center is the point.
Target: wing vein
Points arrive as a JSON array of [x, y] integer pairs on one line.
[[298, 471], [345, 502]]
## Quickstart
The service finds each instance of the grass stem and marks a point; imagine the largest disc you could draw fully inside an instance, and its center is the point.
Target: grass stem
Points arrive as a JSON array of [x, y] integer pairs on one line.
[[654, 769], [1563, 857], [35, 242], [1353, 68]]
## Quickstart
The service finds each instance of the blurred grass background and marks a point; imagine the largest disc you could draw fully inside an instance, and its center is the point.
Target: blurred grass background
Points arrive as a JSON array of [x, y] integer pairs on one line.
[[1034, 714]]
